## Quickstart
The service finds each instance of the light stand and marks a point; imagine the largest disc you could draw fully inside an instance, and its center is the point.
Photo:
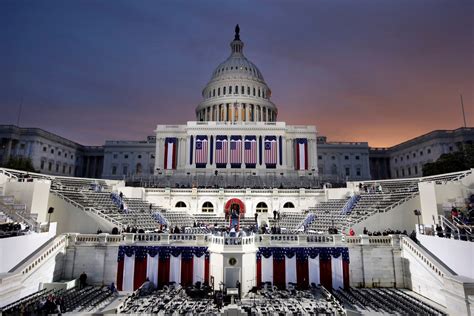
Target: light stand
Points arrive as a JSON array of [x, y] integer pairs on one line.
[[50, 211]]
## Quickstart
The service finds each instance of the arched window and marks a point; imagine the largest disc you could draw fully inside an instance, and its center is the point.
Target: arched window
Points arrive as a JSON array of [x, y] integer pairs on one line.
[[207, 207], [180, 204], [288, 205], [262, 207], [138, 169]]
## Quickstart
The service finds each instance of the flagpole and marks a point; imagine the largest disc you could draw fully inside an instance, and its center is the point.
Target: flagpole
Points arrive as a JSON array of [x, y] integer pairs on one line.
[[463, 113]]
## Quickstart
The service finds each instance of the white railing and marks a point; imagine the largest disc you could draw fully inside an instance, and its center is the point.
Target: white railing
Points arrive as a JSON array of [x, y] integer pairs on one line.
[[88, 209], [254, 240], [424, 258], [56, 245], [372, 211], [8, 174]]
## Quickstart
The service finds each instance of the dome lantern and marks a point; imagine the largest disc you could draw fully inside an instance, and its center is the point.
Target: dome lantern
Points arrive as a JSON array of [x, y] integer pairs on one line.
[[237, 91]]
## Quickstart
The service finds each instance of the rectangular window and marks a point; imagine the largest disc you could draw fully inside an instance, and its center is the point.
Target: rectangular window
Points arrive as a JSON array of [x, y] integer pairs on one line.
[[125, 170], [429, 151], [242, 90], [152, 156], [421, 153], [346, 157], [414, 155], [397, 173], [258, 92], [42, 164], [70, 169], [218, 91], [50, 165], [230, 89], [320, 157], [52, 151], [139, 156], [64, 169], [416, 169], [115, 156], [44, 149], [357, 157], [223, 90], [358, 171], [403, 172], [253, 91], [59, 153], [409, 171], [57, 167], [248, 90], [236, 89], [125, 156], [114, 170], [348, 171]]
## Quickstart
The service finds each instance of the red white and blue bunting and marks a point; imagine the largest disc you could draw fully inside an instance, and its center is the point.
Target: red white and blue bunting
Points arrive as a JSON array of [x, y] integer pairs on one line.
[[161, 264], [328, 266]]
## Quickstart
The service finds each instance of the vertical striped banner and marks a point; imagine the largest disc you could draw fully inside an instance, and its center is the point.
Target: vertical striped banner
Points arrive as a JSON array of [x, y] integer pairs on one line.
[[221, 151], [301, 153], [250, 151], [201, 151], [235, 151], [270, 151], [170, 153]]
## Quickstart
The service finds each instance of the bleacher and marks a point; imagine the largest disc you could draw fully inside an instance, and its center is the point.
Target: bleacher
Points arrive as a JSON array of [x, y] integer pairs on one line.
[[136, 214], [271, 301], [179, 218], [224, 181], [88, 299], [171, 300], [383, 300], [289, 220]]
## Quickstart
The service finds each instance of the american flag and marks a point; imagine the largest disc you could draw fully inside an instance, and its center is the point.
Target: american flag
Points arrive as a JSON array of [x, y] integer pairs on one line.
[[250, 150], [201, 149], [221, 149], [235, 149], [270, 150]]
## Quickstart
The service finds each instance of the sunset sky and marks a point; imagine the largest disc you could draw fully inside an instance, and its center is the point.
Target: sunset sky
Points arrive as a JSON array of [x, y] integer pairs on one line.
[[376, 71]]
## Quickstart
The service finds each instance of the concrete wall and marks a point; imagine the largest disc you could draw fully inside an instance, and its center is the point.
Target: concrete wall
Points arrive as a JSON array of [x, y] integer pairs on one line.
[[73, 219], [400, 217], [216, 268], [33, 194], [437, 199], [14, 249], [457, 255], [375, 266], [98, 262], [338, 193], [194, 199]]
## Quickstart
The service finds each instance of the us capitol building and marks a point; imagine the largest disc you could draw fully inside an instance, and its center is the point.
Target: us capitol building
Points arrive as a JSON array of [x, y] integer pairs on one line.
[[236, 134], [236, 128]]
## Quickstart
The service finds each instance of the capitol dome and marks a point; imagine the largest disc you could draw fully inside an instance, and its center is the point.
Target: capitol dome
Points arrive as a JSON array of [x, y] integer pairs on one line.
[[237, 91]]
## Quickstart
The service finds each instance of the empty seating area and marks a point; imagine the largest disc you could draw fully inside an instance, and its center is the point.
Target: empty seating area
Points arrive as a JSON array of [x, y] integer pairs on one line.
[[225, 181], [171, 300], [88, 299], [179, 218], [136, 214], [289, 220], [390, 301], [271, 301], [79, 184]]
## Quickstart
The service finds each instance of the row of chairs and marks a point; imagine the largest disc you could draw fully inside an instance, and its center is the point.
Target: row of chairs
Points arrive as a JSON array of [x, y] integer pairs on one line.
[[391, 301]]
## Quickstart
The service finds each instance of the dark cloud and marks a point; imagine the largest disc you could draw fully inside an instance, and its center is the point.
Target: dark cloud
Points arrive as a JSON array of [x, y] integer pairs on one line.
[[377, 71]]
